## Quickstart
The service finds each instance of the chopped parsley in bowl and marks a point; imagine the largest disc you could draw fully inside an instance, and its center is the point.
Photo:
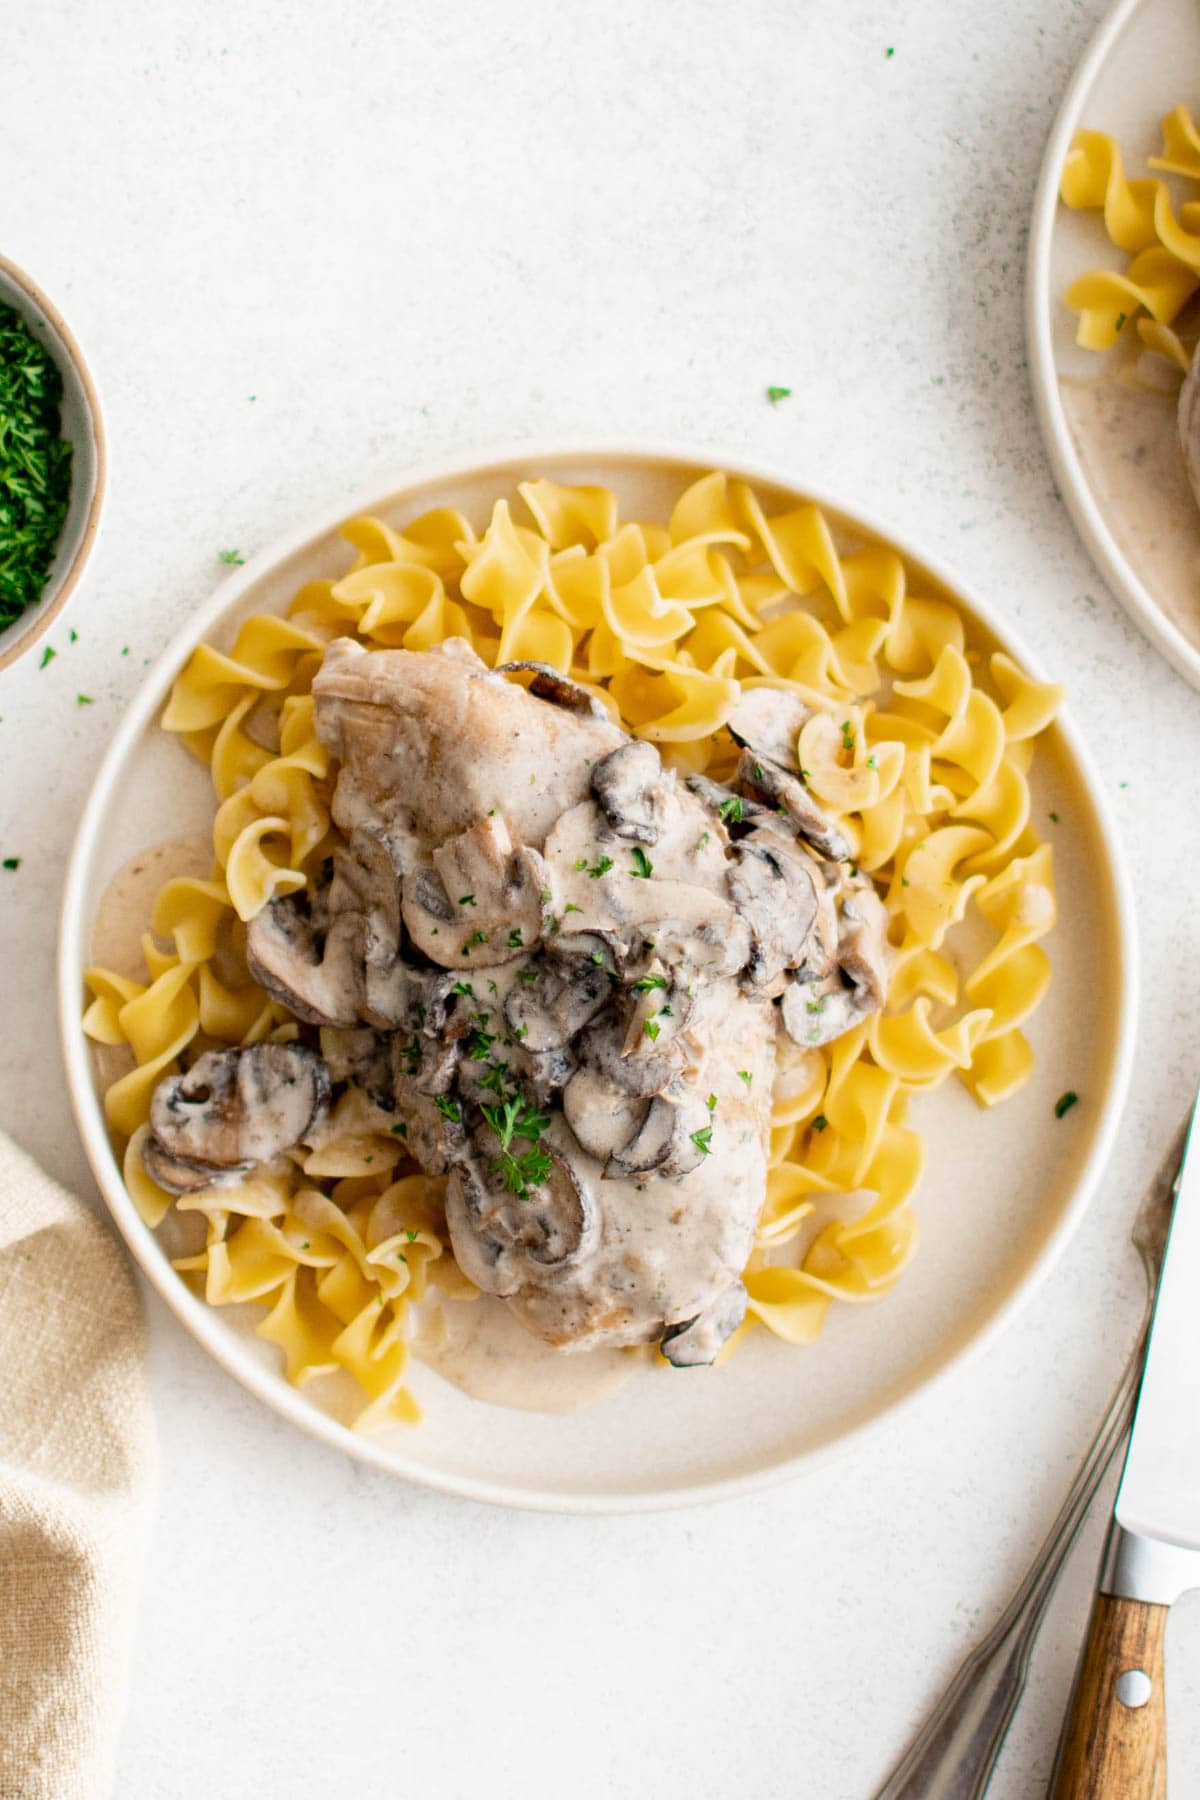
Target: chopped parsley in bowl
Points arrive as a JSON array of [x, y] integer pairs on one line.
[[52, 463], [35, 465]]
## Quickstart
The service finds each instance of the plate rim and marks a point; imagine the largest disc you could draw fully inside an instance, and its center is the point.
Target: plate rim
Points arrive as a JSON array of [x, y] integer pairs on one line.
[[203, 1321], [1074, 487]]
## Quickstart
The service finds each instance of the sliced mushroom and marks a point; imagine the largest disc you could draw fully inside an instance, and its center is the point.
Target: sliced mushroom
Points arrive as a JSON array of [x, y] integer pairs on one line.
[[436, 1138], [503, 1240], [777, 896], [628, 783], [179, 1176], [366, 884], [422, 1064], [732, 809], [694, 1343], [817, 1010], [784, 789], [235, 1108], [862, 945], [551, 684], [317, 977], [554, 1007], [550, 1070], [666, 1141], [642, 1074], [769, 720], [482, 900], [361, 1056], [602, 1116]]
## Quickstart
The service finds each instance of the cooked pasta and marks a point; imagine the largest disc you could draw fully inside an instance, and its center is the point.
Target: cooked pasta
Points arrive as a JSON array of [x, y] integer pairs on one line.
[[919, 747], [1163, 246]]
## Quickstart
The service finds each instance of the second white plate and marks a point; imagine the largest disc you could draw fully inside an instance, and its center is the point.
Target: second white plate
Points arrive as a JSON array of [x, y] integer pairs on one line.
[[1135, 70]]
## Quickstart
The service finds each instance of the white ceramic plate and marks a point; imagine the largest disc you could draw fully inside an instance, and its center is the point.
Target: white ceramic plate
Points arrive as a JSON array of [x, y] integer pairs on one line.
[[1000, 1194], [1137, 67]]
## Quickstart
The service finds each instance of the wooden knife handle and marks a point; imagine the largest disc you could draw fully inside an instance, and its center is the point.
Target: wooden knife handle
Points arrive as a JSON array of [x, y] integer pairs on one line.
[[1114, 1743]]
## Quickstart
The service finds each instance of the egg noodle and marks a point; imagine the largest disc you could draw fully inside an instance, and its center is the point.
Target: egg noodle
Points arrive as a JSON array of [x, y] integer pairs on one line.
[[1163, 247], [919, 748]]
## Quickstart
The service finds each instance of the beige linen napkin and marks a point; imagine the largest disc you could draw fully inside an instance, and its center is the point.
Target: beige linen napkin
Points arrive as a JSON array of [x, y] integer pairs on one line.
[[76, 1460]]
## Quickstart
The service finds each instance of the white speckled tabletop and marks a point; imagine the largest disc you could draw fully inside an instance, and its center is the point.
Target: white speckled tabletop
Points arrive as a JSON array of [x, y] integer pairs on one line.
[[304, 245]]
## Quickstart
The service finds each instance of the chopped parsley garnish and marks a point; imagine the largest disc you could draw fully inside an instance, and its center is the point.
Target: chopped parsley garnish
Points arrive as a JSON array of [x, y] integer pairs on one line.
[[478, 1045], [872, 762], [704, 838], [847, 735], [515, 940], [73, 635], [546, 896], [816, 1006], [527, 975], [571, 907], [652, 1029], [904, 881], [820, 1122], [449, 1109], [1065, 1102], [1054, 816], [643, 868], [410, 1235], [35, 466], [412, 1057], [231, 556], [731, 810], [84, 700], [466, 899], [516, 1121], [12, 862], [746, 1076], [890, 51], [1121, 318], [476, 937], [463, 987], [601, 866], [703, 1140], [400, 1130], [776, 394], [598, 957], [646, 984], [48, 655], [711, 1103]]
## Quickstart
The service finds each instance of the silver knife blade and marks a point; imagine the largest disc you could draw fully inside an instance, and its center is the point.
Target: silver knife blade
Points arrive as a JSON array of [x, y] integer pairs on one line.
[[1159, 1496]]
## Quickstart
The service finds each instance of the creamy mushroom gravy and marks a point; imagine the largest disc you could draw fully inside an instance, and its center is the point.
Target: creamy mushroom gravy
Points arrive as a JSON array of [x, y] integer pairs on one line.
[[482, 1348], [1128, 443]]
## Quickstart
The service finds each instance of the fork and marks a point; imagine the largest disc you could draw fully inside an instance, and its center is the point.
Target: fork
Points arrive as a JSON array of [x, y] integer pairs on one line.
[[954, 1753]]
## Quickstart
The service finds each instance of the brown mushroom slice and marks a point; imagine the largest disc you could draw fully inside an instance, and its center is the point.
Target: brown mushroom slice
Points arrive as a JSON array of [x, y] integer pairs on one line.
[[769, 720], [551, 684], [503, 1240], [666, 1141], [602, 1116], [815, 1011], [482, 900], [178, 1176], [641, 1074], [235, 1108], [422, 1064], [694, 1343], [361, 1057], [628, 785], [554, 1007], [1189, 425], [366, 883], [863, 949], [319, 980], [784, 790], [435, 1138], [778, 898]]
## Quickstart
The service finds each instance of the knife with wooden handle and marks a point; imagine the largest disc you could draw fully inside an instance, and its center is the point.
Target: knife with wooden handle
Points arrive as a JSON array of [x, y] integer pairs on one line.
[[1114, 1742]]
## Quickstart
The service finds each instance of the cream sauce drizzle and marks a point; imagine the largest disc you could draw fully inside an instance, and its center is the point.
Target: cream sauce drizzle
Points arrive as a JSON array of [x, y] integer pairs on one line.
[[1128, 443], [481, 1347]]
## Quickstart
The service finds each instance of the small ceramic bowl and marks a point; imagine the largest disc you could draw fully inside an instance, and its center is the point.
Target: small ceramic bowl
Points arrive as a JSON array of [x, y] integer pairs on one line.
[[82, 426]]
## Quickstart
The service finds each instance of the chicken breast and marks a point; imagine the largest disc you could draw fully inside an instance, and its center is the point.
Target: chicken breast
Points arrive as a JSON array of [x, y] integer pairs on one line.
[[565, 972]]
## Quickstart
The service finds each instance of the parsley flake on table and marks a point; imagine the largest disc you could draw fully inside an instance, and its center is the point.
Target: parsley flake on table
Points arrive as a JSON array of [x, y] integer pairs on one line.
[[776, 394], [12, 862], [1065, 1102], [48, 656], [231, 556], [84, 700]]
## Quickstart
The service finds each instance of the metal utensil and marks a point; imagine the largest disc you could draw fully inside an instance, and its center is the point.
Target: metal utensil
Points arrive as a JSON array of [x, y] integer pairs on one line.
[[954, 1753], [1115, 1737]]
